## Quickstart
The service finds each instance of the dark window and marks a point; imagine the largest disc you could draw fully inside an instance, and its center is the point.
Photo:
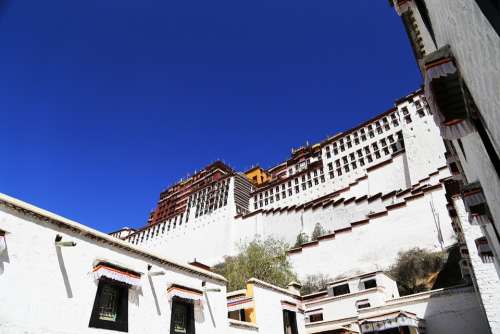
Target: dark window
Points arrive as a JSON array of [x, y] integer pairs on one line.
[[110, 306], [363, 304], [182, 320], [341, 290], [491, 9], [316, 317], [237, 315], [289, 322], [372, 283]]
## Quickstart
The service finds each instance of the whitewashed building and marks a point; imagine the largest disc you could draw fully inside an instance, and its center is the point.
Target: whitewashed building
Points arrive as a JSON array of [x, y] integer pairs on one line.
[[58, 276], [377, 189], [370, 303], [457, 47], [265, 308]]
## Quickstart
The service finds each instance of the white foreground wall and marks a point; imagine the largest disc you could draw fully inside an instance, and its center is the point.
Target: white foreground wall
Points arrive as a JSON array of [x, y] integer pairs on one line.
[[475, 46], [47, 289], [445, 311], [268, 308]]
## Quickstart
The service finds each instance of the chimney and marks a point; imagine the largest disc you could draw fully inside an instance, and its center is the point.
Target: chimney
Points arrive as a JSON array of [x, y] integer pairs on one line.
[[294, 287]]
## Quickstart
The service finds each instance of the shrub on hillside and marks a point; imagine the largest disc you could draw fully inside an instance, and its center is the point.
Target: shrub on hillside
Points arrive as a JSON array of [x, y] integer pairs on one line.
[[415, 270], [314, 283], [262, 259], [302, 238]]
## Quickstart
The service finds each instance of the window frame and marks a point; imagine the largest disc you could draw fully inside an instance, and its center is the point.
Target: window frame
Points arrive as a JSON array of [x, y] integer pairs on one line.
[[369, 281], [316, 317], [191, 327], [121, 323], [342, 291]]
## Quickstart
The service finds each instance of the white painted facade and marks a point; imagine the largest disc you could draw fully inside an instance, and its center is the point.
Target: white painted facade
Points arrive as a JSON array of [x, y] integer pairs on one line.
[[452, 310], [391, 156], [170, 238], [345, 158], [51, 289], [468, 28], [374, 244], [269, 310], [485, 276], [265, 312], [344, 308]]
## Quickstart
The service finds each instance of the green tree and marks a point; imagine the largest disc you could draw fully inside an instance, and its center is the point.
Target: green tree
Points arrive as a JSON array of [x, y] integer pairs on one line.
[[302, 238], [415, 270], [314, 283], [262, 259], [317, 232]]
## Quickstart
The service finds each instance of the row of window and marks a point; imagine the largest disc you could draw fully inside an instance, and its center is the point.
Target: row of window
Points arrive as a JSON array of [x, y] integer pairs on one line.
[[362, 135], [365, 155], [276, 189], [379, 127], [343, 289], [360, 304], [210, 198], [347, 163], [169, 206], [303, 165], [274, 194], [110, 309], [362, 156]]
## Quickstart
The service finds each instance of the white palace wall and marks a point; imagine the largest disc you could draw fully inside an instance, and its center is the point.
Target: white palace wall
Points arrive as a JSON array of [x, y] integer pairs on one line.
[[206, 235], [423, 145], [407, 221], [287, 224], [374, 244], [392, 158]]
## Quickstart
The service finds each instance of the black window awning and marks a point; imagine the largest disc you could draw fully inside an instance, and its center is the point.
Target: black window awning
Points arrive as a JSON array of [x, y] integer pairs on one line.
[[445, 94]]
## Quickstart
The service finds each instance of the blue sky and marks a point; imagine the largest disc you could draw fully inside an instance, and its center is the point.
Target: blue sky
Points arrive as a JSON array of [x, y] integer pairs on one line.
[[106, 102]]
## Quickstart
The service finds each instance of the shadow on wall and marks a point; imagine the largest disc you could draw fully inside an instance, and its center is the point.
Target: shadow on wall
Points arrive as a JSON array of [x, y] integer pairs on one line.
[[4, 255], [134, 294], [450, 274], [64, 273], [455, 311], [155, 297]]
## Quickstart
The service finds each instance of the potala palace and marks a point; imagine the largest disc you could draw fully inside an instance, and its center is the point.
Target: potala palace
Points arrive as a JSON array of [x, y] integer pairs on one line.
[[424, 173], [379, 188], [376, 188]]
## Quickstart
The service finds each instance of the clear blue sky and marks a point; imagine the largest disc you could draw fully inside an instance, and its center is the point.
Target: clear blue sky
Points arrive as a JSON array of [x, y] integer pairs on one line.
[[106, 102]]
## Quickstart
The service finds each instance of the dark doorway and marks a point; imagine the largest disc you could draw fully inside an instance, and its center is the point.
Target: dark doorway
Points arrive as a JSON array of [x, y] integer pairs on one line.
[[182, 320], [289, 322]]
